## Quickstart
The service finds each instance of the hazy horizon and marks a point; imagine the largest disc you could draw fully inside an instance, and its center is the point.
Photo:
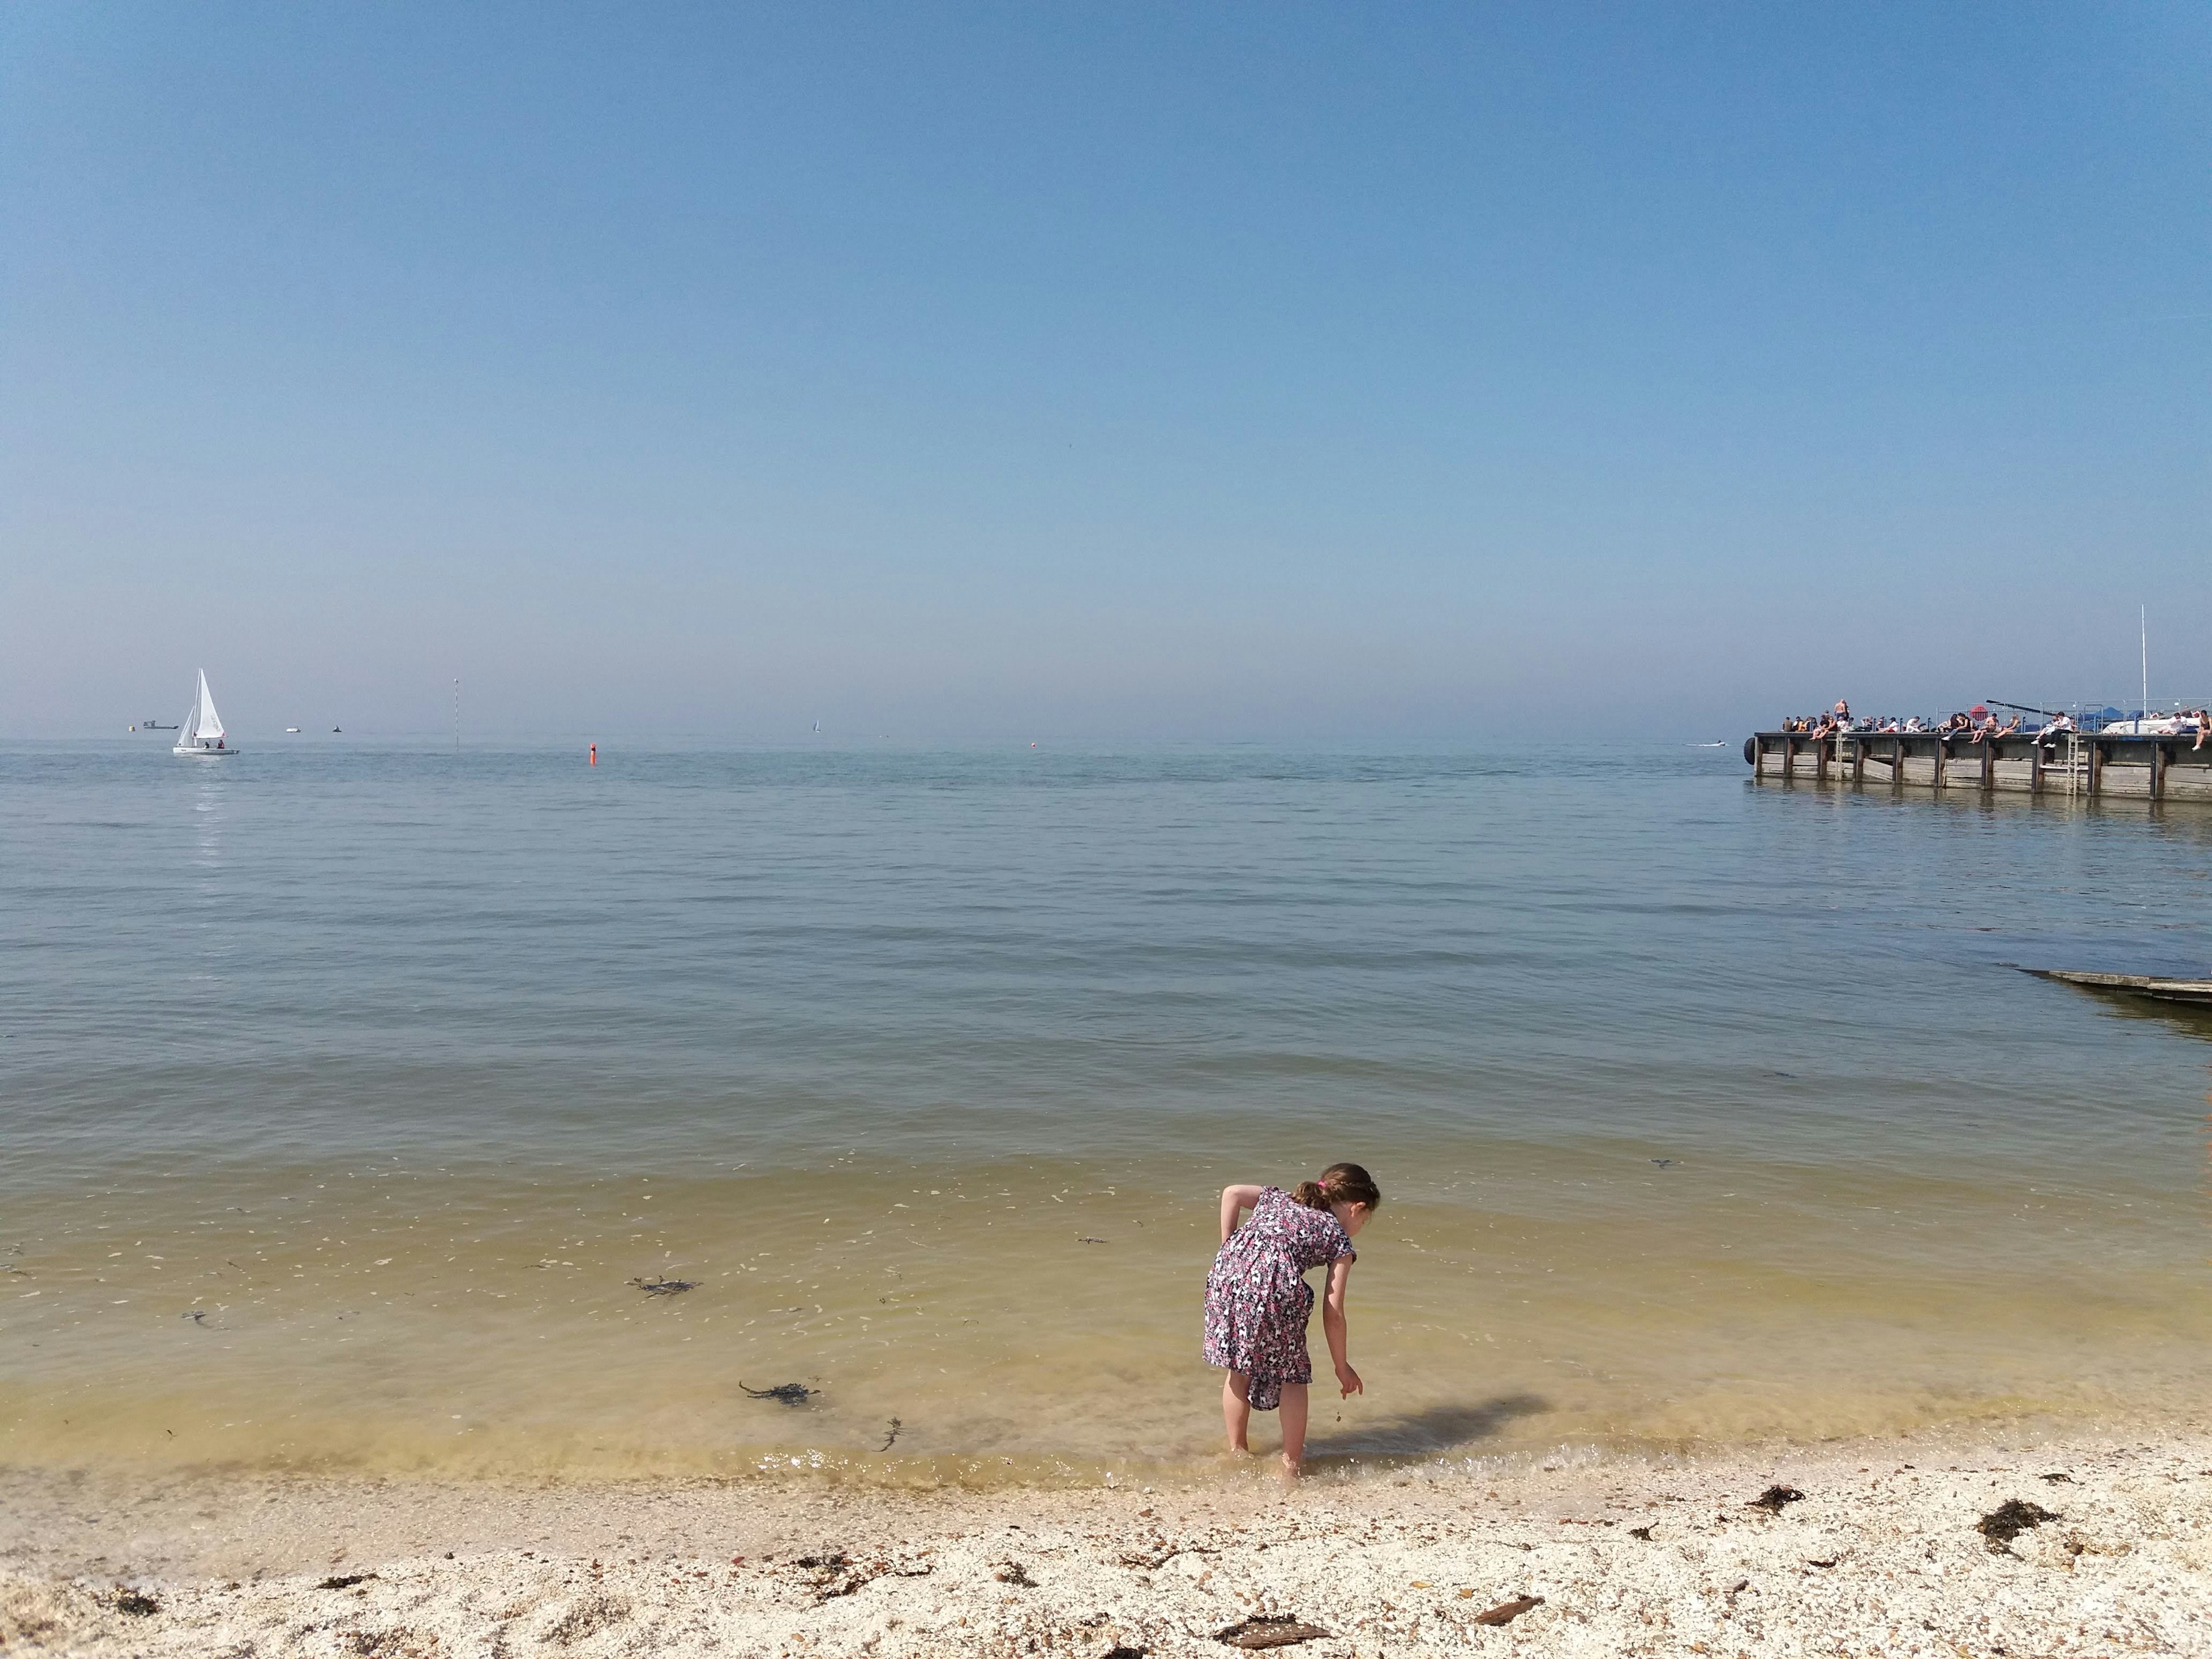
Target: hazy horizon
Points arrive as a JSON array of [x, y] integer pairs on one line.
[[1123, 374]]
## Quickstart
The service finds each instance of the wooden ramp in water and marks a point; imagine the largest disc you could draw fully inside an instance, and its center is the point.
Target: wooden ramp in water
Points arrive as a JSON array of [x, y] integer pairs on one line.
[[2165, 990]]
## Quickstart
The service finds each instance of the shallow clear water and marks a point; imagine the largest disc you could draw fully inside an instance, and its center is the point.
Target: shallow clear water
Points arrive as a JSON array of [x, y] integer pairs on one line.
[[396, 1068]]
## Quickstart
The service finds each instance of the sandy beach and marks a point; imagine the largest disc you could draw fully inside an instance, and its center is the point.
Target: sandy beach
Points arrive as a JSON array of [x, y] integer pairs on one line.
[[1887, 1550]]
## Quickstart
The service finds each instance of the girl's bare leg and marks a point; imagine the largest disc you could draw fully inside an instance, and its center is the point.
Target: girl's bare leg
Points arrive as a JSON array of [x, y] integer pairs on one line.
[[1294, 1429], [1237, 1410]]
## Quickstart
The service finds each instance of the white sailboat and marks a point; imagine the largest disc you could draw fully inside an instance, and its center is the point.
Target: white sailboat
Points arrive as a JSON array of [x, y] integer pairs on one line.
[[202, 737], [2146, 724]]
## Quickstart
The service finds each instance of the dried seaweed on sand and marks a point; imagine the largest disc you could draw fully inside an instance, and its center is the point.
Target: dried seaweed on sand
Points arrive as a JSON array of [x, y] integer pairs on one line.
[[1269, 1629], [2009, 1519], [1506, 1612]]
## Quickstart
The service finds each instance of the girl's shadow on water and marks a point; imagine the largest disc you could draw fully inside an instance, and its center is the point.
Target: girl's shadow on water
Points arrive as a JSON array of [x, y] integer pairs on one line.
[[1422, 1433]]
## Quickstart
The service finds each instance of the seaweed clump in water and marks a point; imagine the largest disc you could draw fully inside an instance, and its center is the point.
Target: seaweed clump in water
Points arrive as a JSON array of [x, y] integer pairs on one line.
[[784, 1394]]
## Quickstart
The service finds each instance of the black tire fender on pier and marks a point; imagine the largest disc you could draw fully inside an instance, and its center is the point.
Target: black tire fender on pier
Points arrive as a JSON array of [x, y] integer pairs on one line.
[[1751, 751]]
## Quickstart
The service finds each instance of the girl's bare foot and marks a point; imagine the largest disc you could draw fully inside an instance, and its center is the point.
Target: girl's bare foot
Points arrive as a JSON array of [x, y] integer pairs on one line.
[[1292, 1472]]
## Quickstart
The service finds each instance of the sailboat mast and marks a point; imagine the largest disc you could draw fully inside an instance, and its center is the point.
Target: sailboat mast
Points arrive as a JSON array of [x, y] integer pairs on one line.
[[2144, 620]]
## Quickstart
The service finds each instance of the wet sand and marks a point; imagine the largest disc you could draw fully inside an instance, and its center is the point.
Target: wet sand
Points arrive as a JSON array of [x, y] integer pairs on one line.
[[1883, 1552]]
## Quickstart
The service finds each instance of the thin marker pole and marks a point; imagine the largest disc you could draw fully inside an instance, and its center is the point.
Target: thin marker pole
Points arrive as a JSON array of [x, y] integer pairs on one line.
[[457, 713]]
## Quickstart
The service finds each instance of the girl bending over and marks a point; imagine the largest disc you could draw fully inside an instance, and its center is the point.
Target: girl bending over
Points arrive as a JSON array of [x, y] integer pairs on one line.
[[1258, 1303]]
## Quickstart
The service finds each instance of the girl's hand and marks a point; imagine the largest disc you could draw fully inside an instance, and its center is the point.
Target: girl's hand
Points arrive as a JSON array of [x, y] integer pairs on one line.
[[1348, 1380]]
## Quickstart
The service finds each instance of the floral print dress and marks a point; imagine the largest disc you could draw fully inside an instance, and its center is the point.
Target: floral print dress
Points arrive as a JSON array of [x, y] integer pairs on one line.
[[1257, 1300]]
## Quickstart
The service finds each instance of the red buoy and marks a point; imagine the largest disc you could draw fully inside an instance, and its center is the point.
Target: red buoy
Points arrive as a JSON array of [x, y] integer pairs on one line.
[[595, 754]]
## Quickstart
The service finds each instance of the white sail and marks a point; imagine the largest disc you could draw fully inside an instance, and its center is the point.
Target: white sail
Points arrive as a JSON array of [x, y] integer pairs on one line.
[[209, 723], [203, 733]]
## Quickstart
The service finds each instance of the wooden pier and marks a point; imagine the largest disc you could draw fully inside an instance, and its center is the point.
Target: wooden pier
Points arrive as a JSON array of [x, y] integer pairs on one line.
[[2196, 991], [2086, 765]]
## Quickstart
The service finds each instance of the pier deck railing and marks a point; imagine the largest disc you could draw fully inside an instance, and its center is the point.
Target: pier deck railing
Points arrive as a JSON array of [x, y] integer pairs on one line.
[[2088, 764]]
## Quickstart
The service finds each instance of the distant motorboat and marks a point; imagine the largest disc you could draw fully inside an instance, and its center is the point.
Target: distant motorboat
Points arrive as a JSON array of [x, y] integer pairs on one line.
[[203, 737], [337, 728], [154, 726], [291, 728]]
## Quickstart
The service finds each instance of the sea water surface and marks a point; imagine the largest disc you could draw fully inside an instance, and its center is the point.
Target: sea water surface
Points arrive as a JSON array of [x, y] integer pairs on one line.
[[350, 1095]]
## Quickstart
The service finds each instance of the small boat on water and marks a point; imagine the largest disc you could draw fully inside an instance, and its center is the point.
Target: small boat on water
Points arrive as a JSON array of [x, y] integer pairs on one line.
[[203, 737], [2142, 985]]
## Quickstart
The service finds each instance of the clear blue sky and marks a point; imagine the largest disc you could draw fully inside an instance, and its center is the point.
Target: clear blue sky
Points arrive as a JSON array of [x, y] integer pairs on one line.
[[1184, 371]]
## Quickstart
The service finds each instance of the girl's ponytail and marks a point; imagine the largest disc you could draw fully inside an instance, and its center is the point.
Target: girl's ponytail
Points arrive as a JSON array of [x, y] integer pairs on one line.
[[1339, 1183]]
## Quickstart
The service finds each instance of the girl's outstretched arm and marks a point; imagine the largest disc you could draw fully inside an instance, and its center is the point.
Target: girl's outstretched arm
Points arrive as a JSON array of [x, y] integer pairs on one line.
[[1332, 1326], [1234, 1199]]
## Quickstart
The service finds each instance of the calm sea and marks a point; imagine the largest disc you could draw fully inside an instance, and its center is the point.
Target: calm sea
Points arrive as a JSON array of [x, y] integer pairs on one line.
[[349, 1094]]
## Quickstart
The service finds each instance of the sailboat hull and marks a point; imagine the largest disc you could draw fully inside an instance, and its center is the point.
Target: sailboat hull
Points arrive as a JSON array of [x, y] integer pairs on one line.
[[204, 754]]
